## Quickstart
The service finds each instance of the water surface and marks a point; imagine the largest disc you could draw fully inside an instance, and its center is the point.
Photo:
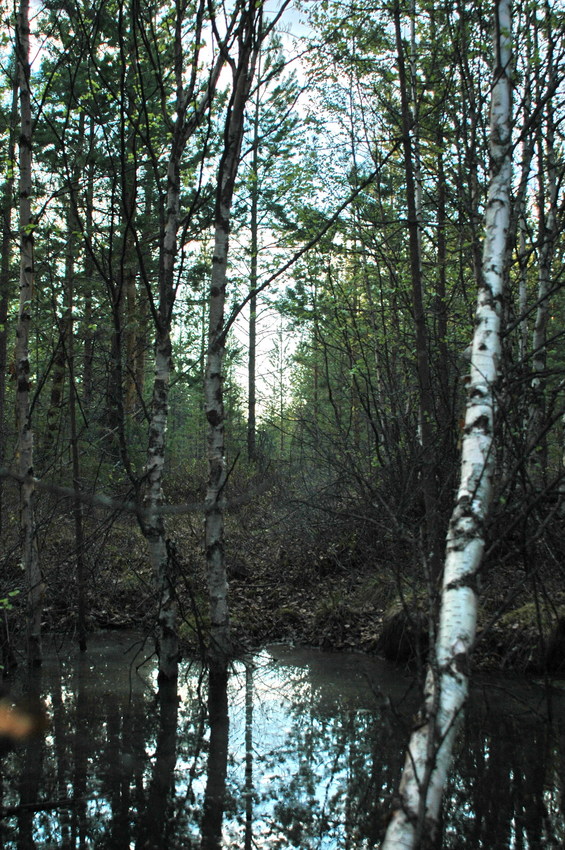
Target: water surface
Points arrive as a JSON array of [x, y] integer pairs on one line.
[[303, 750]]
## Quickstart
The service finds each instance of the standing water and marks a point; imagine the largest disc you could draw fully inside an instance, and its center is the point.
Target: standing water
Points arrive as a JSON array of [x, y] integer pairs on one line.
[[305, 752]]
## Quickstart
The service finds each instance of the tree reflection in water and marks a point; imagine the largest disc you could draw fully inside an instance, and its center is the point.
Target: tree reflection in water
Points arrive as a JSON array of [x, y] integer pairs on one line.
[[293, 749], [30, 776], [156, 820], [215, 793]]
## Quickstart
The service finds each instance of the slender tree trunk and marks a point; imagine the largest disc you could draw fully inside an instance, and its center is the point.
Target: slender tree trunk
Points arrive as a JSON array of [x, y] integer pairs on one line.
[[89, 271], [426, 402], [30, 558], [5, 287], [471, 222], [128, 276], [446, 413], [522, 291], [72, 227], [153, 525], [562, 481], [547, 205], [415, 818], [49, 442], [248, 43], [252, 355], [440, 307], [518, 222], [115, 411]]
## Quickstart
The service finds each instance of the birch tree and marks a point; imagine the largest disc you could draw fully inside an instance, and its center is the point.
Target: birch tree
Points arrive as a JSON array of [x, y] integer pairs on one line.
[[5, 254], [250, 34], [30, 558], [243, 68], [415, 817], [189, 113], [253, 277]]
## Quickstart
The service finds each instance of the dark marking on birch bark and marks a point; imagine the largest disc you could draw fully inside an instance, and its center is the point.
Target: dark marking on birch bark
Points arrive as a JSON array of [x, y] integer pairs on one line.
[[481, 423], [155, 437], [214, 548], [461, 663], [478, 393], [471, 580]]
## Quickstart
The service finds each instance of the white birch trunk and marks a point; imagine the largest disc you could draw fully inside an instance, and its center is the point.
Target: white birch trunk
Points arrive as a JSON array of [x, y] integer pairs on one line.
[[414, 820], [254, 260], [214, 507], [5, 267], [248, 44], [153, 525], [30, 559]]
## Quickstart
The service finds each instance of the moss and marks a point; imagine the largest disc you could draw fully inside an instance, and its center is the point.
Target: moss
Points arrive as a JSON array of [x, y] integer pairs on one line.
[[532, 638], [529, 616]]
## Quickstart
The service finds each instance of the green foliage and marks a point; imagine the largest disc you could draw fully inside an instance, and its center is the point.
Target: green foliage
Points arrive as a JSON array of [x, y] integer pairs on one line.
[[6, 603], [339, 409]]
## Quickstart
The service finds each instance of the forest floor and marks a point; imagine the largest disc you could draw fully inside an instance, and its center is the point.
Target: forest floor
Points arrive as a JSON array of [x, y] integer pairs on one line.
[[326, 592], [297, 581]]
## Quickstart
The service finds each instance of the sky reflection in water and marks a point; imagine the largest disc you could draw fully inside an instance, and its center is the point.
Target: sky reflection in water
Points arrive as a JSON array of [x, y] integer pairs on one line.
[[304, 752]]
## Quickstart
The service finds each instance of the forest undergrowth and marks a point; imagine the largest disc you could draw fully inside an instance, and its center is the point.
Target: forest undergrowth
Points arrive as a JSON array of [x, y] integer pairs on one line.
[[320, 572]]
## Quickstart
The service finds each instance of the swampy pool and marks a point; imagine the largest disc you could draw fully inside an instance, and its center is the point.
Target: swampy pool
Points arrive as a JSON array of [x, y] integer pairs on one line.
[[303, 751]]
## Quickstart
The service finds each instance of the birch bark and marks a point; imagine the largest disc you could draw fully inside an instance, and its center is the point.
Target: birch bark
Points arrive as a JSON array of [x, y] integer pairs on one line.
[[153, 524], [249, 40], [252, 354], [30, 558], [73, 402], [414, 820], [5, 255]]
